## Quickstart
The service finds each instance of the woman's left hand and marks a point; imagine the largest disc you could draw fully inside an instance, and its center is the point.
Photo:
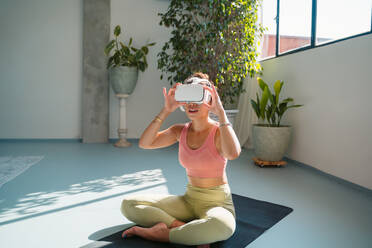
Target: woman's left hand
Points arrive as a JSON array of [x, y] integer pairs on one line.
[[216, 106]]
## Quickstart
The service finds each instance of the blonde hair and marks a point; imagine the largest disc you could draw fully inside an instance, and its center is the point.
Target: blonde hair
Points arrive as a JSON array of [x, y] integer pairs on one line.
[[200, 75]]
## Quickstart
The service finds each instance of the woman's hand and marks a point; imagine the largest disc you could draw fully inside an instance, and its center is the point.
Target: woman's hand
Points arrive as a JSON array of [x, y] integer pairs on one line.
[[170, 104], [216, 106]]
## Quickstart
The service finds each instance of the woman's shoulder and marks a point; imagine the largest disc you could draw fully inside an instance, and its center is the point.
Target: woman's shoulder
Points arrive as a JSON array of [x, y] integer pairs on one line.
[[177, 129]]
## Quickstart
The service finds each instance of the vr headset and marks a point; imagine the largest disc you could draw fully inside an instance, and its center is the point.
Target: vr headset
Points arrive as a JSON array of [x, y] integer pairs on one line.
[[191, 91]]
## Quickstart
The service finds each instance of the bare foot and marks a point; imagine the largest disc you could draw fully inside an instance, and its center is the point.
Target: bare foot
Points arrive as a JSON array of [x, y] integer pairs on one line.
[[158, 232], [129, 232], [203, 246], [177, 223]]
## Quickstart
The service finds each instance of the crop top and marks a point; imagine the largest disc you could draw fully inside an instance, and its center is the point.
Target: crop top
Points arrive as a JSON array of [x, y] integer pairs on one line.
[[203, 162]]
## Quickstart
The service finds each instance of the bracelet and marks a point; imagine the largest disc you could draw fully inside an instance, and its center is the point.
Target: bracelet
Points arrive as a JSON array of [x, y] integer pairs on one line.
[[158, 119], [225, 124]]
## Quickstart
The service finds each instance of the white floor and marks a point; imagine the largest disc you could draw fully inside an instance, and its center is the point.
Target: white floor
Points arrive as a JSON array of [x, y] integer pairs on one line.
[[72, 196]]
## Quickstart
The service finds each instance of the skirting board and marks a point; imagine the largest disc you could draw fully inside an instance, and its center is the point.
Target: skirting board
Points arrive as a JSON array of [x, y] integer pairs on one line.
[[331, 177]]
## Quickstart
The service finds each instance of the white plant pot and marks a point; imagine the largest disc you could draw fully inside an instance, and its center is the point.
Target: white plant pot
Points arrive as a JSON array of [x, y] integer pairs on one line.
[[270, 143], [123, 79], [230, 113]]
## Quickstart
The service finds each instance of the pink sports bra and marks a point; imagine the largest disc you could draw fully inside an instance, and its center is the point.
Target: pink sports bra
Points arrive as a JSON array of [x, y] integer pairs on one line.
[[202, 162]]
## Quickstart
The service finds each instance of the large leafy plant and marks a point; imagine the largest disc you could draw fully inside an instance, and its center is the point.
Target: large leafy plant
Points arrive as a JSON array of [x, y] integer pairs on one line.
[[268, 106], [217, 37], [126, 55]]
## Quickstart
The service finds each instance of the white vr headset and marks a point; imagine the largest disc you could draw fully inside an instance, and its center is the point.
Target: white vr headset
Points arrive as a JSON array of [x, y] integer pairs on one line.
[[191, 91]]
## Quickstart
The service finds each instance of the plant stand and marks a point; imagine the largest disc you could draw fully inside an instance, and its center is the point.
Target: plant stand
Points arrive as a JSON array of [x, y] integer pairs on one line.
[[263, 163], [122, 130]]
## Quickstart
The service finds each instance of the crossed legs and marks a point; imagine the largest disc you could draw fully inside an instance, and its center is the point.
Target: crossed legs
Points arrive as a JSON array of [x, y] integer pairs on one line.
[[169, 218]]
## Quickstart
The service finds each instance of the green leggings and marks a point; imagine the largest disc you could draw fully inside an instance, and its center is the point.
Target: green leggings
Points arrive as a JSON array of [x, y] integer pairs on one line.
[[208, 212]]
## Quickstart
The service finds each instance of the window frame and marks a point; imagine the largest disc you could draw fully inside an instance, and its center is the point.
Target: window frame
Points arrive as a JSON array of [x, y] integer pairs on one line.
[[313, 34]]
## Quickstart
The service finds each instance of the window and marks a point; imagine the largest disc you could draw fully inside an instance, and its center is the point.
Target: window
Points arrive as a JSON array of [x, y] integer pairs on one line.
[[339, 19], [304, 24], [294, 24], [267, 18]]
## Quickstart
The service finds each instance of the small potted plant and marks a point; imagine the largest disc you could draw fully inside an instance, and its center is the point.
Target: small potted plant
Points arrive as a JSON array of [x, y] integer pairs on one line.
[[123, 68], [271, 139], [124, 64]]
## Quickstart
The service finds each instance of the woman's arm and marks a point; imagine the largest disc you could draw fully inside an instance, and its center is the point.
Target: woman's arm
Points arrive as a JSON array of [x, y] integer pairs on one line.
[[229, 143], [151, 138]]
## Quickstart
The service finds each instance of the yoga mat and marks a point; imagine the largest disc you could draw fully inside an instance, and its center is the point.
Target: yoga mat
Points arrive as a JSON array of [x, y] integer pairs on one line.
[[254, 217]]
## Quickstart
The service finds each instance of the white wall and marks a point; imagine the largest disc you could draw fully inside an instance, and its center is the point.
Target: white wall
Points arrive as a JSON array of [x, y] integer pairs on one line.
[[40, 68], [332, 132], [139, 19]]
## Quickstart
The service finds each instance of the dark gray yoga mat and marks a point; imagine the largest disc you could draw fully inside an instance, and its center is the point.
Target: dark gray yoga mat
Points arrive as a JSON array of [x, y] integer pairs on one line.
[[253, 217]]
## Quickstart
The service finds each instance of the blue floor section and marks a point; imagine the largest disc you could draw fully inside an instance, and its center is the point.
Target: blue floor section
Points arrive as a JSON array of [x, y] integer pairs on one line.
[[72, 196]]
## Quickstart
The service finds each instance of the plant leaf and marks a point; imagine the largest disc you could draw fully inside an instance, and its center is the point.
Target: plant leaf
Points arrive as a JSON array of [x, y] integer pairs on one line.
[[277, 88], [289, 99], [141, 66], [295, 106], [117, 30], [262, 83], [139, 54], [263, 103], [256, 108], [117, 58], [145, 50], [109, 46]]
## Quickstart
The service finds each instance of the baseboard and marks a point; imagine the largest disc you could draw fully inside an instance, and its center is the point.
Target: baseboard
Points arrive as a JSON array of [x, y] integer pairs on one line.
[[79, 140], [41, 140], [113, 140], [330, 176]]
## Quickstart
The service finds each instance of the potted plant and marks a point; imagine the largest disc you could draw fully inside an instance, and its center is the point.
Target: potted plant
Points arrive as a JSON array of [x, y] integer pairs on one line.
[[124, 63], [271, 139], [123, 68], [215, 37]]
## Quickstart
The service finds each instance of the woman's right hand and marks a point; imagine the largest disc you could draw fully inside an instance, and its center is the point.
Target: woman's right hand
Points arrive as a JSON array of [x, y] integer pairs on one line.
[[170, 103]]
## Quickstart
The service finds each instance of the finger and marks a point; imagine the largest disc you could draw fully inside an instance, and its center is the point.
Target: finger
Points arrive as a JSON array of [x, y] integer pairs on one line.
[[164, 91], [213, 94], [214, 88], [171, 91], [207, 105], [209, 89]]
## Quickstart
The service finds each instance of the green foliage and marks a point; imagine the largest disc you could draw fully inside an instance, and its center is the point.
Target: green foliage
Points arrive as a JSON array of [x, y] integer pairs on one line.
[[272, 110], [126, 55], [216, 37]]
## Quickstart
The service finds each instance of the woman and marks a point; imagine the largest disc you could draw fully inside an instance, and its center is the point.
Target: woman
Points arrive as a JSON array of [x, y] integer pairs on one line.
[[205, 213]]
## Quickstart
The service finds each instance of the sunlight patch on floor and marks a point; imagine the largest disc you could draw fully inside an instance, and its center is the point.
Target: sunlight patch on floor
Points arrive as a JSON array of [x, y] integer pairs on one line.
[[39, 203]]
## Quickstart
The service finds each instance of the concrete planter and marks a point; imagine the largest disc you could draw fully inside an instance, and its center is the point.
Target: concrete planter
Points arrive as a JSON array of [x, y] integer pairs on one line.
[[270, 143], [123, 79], [230, 113]]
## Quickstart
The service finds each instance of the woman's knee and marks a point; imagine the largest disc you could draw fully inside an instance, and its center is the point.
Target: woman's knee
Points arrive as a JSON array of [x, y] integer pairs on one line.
[[222, 229], [223, 223], [126, 205]]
